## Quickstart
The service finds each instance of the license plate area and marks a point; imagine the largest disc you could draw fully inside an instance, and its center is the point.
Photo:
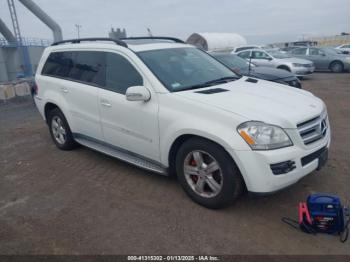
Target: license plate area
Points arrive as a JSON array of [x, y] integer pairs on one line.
[[321, 155]]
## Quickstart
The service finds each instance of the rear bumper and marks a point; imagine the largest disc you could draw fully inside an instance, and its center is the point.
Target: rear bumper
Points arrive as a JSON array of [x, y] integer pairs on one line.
[[40, 105], [258, 173]]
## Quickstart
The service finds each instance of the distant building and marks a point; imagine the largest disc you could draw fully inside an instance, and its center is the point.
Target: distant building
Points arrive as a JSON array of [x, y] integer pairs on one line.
[[334, 40], [117, 33], [20, 60]]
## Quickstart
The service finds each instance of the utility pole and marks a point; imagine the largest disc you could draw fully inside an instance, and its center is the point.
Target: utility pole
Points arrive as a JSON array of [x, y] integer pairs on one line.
[[78, 29]]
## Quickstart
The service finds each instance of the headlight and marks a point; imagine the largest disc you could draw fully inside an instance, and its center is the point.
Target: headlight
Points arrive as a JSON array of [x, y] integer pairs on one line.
[[297, 65], [261, 136]]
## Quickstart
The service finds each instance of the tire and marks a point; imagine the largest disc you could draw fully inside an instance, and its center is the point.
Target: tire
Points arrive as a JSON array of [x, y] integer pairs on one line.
[[60, 131], [199, 187], [337, 67]]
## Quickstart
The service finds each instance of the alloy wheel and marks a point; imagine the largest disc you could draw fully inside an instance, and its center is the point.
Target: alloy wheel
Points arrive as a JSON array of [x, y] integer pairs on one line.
[[203, 173], [58, 130]]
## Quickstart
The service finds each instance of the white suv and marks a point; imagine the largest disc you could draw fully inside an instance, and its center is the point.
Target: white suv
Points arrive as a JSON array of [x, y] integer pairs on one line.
[[171, 108]]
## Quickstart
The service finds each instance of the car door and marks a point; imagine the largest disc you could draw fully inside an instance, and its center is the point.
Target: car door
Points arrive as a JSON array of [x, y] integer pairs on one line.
[[77, 75], [128, 125], [261, 58], [319, 58]]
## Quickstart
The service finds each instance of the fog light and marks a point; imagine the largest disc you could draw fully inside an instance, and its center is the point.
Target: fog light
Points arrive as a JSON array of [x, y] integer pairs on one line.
[[283, 167]]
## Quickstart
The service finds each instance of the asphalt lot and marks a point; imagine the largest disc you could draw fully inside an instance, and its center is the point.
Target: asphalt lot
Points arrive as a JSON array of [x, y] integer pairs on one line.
[[83, 202]]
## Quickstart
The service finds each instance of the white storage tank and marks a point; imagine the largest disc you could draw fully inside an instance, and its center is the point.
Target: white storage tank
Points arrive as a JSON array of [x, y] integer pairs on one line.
[[216, 41]]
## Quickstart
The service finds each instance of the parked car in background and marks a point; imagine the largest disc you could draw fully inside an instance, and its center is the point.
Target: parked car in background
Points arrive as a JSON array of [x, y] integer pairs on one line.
[[324, 58], [289, 48], [277, 59], [344, 48], [241, 66]]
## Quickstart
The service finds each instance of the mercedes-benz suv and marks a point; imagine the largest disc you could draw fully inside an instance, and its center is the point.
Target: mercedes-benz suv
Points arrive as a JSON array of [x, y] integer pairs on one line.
[[171, 108]]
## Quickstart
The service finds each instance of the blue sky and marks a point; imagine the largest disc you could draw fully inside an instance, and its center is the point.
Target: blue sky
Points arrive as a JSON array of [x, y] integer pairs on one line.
[[260, 21]]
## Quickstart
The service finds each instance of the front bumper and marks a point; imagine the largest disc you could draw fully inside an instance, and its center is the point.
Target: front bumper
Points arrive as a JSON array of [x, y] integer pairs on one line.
[[255, 166], [303, 71]]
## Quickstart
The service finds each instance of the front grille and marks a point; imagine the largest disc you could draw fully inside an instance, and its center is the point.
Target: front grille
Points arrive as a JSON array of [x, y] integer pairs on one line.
[[313, 129]]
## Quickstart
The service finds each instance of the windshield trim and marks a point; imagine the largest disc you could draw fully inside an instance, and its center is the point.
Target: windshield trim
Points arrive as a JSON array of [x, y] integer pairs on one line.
[[188, 88]]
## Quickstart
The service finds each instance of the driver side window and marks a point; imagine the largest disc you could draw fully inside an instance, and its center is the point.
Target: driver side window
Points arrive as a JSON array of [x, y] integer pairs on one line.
[[299, 51], [120, 74]]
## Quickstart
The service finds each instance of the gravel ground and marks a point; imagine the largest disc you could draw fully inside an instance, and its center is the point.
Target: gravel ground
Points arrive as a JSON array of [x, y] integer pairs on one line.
[[83, 202]]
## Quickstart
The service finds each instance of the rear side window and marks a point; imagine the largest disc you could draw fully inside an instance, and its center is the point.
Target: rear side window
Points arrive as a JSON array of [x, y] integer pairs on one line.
[[299, 51], [58, 64], [120, 74], [89, 67], [244, 55], [82, 66]]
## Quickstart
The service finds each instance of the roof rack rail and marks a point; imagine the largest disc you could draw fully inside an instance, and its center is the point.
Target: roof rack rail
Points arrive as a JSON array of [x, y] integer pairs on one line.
[[176, 40], [77, 41]]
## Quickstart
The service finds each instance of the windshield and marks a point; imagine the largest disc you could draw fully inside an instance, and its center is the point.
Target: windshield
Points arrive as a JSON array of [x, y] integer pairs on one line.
[[278, 54], [186, 68], [233, 61]]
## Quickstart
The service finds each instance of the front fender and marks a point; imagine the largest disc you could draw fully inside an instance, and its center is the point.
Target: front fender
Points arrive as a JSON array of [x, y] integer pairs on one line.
[[224, 135]]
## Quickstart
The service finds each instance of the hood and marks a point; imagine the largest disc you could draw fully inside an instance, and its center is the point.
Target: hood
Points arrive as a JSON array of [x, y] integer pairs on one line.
[[295, 60], [268, 73], [261, 100]]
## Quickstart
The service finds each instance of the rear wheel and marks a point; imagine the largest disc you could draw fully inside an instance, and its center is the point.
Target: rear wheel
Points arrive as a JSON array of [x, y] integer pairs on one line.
[[336, 67], [60, 131], [208, 174]]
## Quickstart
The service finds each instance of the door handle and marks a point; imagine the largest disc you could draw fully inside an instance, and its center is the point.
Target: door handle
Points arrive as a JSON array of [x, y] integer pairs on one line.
[[105, 103], [64, 90]]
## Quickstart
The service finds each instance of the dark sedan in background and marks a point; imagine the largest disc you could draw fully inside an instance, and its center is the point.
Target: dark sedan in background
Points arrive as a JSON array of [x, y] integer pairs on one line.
[[324, 58], [241, 66]]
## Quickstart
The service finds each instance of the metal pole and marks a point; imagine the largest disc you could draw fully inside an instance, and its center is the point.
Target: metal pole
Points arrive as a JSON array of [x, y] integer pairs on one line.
[[78, 29], [39, 13]]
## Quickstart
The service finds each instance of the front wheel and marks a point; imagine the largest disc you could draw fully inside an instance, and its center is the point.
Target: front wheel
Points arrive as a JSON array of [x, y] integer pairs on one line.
[[337, 67], [208, 174]]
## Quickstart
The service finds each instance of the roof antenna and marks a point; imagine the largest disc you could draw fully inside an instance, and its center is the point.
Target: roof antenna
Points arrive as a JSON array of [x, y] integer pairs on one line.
[[149, 32], [250, 62]]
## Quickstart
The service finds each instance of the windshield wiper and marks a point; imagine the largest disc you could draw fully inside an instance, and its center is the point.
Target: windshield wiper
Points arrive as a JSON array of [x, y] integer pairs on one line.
[[209, 83], [222, 80]]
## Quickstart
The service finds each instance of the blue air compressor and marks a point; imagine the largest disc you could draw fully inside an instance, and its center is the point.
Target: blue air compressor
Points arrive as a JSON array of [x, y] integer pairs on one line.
[[322, 213]]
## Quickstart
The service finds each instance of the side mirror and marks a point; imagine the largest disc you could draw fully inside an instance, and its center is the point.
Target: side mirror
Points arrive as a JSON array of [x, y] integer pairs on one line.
[[137, 93]]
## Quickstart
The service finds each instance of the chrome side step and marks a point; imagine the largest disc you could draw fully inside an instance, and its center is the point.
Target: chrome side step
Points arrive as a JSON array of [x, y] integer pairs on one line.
[[121, 154]]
